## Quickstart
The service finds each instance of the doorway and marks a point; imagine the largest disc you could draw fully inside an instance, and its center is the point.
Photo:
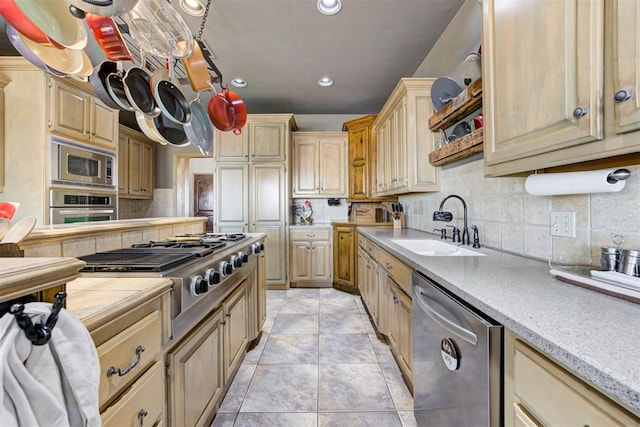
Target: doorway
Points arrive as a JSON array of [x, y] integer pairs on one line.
[[203, 198]]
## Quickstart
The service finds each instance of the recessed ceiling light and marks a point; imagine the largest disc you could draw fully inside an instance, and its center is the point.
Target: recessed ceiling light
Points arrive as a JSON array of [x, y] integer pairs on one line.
[[329, 7], [238, 82], [192, 7], [325, 82]]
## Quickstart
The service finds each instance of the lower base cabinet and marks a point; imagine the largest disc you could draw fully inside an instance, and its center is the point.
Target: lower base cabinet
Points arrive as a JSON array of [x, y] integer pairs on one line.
[[196, 373], [385, 283], [140, 405], [203, 364], [529, 378], [344, 255]]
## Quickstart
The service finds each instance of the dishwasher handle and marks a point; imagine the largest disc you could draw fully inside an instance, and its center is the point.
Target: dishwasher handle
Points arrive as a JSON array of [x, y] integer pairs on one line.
[[447, 324]]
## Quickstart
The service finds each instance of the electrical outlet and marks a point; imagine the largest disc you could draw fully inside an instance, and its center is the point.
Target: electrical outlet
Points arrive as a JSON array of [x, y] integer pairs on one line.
[[563, 224]]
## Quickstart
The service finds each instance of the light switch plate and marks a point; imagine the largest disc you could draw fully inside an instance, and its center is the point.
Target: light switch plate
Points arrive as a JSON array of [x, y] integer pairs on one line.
[[563, 224]]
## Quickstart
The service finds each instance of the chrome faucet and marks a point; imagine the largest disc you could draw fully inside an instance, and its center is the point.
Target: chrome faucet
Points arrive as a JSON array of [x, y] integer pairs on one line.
[[441, 215]]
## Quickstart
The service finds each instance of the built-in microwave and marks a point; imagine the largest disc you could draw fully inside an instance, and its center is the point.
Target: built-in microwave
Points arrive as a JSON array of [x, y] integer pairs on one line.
[[75, 164]]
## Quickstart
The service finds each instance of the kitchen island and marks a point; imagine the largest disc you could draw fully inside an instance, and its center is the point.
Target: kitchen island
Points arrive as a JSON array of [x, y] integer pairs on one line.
[[590, 334]]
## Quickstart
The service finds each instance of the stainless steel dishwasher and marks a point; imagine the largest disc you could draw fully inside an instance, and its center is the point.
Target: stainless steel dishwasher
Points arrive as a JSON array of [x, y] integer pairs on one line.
[[457, 360]]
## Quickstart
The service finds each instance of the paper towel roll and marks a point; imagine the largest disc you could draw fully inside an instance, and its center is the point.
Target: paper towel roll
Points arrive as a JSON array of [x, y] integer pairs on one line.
[[553, 184]]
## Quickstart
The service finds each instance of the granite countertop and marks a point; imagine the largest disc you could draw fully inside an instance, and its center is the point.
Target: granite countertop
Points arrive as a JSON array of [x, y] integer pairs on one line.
[[591, 334]]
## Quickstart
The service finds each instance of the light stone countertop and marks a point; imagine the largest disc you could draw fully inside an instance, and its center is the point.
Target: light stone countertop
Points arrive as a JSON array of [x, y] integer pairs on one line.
[[593, 335]]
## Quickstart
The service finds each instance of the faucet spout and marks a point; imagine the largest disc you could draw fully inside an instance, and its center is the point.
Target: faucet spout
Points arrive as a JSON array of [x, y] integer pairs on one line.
[[465, 228]]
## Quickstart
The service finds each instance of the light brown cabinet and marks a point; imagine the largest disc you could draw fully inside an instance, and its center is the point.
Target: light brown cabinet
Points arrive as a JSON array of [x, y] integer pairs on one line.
[[77, 114], [311, 255], [264, 138], [319, 164], [565, 113], [252, 186], [529, 375], [344, 254], [385, 285], [135, 165], [404, 140]]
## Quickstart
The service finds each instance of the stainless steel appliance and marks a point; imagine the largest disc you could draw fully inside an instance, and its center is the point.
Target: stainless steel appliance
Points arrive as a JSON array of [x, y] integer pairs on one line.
[[202, 267], [69, 206], [457, 360], [79, 165]]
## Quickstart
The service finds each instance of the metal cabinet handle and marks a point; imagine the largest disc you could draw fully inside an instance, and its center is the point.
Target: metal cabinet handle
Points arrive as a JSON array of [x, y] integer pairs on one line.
[[395, 299], [141, 414], [228, 314], [122, 372], [311, 235], [389, 266], [447, 324], [579, 112], [622, 95], [223, 322]]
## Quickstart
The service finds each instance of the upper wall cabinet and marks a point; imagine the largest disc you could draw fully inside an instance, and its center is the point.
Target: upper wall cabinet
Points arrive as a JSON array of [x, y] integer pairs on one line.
[[623, 17], [76, 114], [319, 164], [264, 138], [548, 95], [404, 140]]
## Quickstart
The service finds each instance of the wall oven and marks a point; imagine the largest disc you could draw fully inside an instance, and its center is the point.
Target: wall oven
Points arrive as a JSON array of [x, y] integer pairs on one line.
[[70, 206], [78, 165]]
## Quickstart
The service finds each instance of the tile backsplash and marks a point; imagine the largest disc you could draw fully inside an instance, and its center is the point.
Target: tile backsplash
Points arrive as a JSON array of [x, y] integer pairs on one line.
[[510, 219], [322, 212]]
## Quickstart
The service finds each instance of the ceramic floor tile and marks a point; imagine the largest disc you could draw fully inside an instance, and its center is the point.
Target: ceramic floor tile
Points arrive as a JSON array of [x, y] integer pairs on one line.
[[399, 391], [359, 419], [253, 356], [346, 348], [276, 419], [368, 325], [268, 324], [383, 353], [330, 293], [282, 349], [408, 419], [341, 323], [353, 387], [338, 305], [295, 324], [360, 306], [233, 400], [283, 388], [299, 306], [223, 420], [303, 293]]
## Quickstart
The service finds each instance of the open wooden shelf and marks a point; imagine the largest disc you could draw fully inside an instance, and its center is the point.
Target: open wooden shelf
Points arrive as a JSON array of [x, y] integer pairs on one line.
[[458, 149], [470, 99]]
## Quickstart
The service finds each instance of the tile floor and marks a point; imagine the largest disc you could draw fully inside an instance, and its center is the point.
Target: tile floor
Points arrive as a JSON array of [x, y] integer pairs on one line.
[[318, 364]]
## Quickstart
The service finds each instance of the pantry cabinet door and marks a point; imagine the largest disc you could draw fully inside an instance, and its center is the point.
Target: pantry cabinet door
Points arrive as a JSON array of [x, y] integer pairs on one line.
[[232, 198], [626, 64], [542, 62]]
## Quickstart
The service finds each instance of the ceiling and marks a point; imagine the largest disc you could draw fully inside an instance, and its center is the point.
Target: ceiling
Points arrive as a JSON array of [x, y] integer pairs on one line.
[[283, 47]]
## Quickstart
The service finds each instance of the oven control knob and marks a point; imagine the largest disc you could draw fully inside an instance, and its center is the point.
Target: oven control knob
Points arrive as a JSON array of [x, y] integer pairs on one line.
[[245, 256], [240, 259], [255, 248], [212, 276], [225, 268], [198, 285], [261, 246]]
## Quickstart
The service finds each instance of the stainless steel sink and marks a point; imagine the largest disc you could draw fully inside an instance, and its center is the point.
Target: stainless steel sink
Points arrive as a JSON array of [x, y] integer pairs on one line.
[[429, 247]]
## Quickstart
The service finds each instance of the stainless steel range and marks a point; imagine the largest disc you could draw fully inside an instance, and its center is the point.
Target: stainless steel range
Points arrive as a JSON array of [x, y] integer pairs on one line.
[[203, 267]]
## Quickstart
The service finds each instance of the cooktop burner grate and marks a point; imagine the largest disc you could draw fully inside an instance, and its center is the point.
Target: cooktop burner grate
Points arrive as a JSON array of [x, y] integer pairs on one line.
[[123, 260]]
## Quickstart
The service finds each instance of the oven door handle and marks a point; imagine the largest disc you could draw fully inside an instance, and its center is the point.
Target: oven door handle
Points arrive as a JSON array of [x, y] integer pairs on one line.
[[447, 324], [86, 211]]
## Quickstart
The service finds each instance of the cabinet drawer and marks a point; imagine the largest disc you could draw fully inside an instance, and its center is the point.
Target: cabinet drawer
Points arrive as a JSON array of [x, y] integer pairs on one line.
[[400, 272], [121, 352], [572, 402], [368, 246], [310, 234], [146, 396]]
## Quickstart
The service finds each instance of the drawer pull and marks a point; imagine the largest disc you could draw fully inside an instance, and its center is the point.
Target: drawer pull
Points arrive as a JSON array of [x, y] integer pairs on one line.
[[389, 266], [311, 235], [121, 373], [141, 416]]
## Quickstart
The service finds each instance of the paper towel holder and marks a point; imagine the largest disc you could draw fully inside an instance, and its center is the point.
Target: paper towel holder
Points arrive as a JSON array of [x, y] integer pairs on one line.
[[618, 175]]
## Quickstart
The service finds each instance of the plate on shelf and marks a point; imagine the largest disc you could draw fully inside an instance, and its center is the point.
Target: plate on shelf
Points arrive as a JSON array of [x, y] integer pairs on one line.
[[444, 89]]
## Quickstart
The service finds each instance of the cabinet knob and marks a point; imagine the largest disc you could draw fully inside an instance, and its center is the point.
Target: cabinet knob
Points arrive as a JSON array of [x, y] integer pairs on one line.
[[143, 413], [579, 112], [622, 95]]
